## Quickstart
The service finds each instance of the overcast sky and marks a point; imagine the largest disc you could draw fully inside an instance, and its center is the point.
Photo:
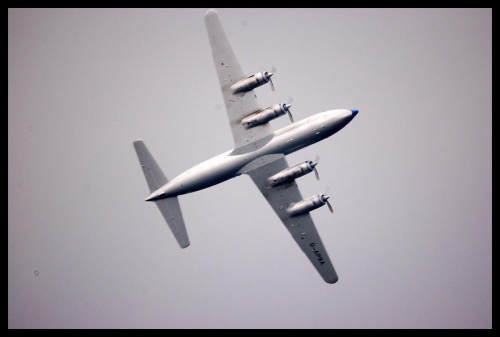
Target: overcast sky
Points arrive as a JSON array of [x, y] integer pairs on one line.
[[410, 177]]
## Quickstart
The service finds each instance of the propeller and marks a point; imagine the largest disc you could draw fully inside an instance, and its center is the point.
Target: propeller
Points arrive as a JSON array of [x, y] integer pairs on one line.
[[287, 109], [325, 198], [268, 75], [313, 165], [272, 85], [273, 71]]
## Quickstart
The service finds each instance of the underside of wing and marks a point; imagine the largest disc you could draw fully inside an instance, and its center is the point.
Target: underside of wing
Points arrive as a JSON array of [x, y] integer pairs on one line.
[[301, 227], [238, 105]]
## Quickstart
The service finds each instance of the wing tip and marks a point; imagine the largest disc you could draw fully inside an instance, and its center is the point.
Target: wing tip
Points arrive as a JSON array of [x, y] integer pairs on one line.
[[210, 13], [331, 280]]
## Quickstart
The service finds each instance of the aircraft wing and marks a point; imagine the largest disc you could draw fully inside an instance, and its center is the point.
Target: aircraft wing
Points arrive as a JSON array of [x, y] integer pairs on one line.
[[300, 227], [229, 72]]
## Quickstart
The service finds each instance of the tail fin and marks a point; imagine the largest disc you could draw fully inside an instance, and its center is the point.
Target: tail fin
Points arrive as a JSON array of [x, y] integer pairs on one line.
[[169, 207]]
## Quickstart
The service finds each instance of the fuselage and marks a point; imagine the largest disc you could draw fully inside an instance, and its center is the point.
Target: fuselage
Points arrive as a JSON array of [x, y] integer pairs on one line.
[[232, 163]]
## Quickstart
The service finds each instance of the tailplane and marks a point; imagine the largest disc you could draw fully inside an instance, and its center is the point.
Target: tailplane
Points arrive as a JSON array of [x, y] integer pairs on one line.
[[169, 207]]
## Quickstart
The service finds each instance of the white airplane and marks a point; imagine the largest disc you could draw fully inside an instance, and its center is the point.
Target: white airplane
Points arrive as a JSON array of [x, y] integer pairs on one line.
[[258, 152]]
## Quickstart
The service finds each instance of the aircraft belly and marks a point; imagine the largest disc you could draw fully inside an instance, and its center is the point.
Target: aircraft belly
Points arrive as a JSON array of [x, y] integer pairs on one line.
[[209, 173]]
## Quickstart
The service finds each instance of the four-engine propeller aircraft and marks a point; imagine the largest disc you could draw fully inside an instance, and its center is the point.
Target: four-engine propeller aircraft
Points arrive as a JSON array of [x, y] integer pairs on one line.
[[258, 152]]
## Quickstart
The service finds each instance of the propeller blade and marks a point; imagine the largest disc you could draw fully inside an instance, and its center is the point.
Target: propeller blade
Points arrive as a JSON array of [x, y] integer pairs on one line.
[[316, 172], [329, 206], [313, 165], [287, 109], [272, 85]]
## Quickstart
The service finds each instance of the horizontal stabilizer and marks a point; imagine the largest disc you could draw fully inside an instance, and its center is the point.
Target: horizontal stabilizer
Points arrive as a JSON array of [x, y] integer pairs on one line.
[[169, 207], [171, 211], [153, 173]]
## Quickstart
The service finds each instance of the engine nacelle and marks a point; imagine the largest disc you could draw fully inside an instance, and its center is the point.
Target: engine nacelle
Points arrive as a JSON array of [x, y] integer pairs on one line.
[[291, 173], [251, 82], [264, 116], [307, 205]]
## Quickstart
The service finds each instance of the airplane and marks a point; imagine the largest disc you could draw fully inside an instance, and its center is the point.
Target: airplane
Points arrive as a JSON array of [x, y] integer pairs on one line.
[[258, 152]]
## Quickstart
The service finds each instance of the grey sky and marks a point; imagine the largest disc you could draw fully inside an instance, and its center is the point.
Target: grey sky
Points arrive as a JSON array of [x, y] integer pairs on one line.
[[409, 178]]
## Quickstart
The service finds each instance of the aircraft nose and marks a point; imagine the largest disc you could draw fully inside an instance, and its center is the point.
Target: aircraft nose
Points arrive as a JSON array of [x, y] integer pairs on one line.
[[354, 113]]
